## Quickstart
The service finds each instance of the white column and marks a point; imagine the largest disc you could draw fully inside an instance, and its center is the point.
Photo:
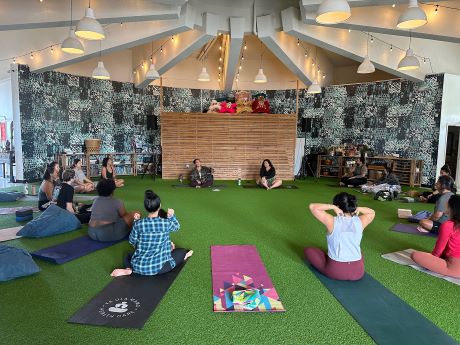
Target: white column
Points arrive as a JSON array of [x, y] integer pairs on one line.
[[17, 123]]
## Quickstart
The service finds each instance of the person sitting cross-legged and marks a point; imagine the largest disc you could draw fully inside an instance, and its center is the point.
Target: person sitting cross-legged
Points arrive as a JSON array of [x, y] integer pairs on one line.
[[154, 252], [344, 232], [357, 176], [267, 174], [81, 183], [201, 176]]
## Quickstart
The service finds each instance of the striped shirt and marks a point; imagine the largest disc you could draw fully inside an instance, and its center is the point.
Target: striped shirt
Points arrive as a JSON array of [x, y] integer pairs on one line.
[[150, 237]]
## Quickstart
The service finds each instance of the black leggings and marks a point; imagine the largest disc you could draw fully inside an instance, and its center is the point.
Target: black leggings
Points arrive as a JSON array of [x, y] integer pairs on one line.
[[177, 254], [358, 181]]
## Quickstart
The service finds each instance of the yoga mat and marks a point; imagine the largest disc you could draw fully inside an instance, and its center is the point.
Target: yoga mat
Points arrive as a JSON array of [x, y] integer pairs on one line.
[[403, 258], [188, 186], [410, 229], [9, 233], [384, 316], [240, 267], [71, 250], [280, 187], [127, 302], [12, 210]]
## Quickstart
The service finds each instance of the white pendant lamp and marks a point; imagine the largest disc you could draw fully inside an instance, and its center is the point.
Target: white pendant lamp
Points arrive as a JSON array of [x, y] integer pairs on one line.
[[88, 27], [72, 44], [409, 61], [152, 73], [260, 77], [204, 75], [314, 88], [333, 12], [413, 17], [100, 72], [366, 66]]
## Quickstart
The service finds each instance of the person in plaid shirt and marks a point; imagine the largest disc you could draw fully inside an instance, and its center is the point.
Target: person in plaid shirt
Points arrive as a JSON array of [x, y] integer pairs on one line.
[[201, 176], [154, 253]]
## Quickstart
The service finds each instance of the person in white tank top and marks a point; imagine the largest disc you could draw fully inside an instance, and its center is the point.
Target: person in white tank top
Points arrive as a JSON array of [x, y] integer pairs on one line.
[[343, 260]]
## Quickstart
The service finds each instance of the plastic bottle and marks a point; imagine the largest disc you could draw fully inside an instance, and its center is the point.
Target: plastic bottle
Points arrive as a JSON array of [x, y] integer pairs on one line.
[[34, 191], [180, 178], [239, 181], [26, 188]]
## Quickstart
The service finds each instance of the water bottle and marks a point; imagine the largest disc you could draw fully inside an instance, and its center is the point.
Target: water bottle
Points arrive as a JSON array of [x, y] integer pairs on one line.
[[180, 178], [26, 188], [34, 191], [239, 181]]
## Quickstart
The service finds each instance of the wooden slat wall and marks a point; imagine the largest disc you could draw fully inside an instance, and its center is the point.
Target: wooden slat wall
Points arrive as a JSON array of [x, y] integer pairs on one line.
[[228, 142]]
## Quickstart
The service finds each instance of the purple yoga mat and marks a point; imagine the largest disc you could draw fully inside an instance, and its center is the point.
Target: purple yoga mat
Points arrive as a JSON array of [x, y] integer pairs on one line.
[[240, 267], [411, 229]]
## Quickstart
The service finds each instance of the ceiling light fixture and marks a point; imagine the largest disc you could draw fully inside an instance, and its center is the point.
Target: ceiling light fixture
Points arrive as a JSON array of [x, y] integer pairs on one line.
[[152, 73], [366, 66], [260, 76], [333, 12], [412, 18], [100, 71], [409, 61], [88, 27], [72, 45], [314, 87]]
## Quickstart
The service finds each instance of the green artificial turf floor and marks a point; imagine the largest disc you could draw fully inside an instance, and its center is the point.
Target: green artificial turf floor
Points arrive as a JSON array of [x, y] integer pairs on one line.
[[35, 309]]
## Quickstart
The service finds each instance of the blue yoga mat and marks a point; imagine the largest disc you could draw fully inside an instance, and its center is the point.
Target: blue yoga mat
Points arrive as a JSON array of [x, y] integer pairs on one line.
[[383, 315], [72, 250]]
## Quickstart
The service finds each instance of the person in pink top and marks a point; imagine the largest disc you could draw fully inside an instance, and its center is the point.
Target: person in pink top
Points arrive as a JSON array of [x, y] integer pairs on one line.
[[445, 257]]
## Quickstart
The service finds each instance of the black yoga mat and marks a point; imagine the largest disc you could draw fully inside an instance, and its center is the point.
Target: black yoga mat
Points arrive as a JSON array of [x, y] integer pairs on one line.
[[126, 302], [383, 315], [72, 250], [189, 186], [287, 186]]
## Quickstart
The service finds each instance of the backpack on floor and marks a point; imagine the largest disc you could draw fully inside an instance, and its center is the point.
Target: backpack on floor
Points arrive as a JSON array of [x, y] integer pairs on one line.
[[383, 195]]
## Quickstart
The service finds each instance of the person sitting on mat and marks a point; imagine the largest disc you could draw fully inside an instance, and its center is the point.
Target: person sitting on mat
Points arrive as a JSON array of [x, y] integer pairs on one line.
[[388, 182], [50, 179], [444, 185], [445, 257], [343, 260], [81, 183], [65, 197], [108, 172], [267, 174], [357, 176], [431, 197], [109, 219], [201, 176], [154, 252]]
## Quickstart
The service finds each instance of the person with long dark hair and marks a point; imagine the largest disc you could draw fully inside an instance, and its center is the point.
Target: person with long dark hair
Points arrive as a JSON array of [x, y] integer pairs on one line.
[[357, 176], [46, 190], [344, 232], [154, 252], [445, 257], [267, 176], [108, 172], [444, 186], [81, 183]]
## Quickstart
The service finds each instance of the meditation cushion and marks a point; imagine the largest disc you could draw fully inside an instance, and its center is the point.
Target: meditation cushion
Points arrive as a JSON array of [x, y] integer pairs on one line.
[[24, 215], [53, 221], [10, 196], [15, 262]]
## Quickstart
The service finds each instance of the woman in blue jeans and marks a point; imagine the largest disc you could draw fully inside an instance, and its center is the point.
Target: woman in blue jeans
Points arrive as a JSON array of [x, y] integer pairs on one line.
[[109, 219]]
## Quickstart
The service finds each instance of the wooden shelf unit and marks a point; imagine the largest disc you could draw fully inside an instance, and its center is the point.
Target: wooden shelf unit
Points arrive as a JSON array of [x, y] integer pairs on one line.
[[408, 171], [125, 163]]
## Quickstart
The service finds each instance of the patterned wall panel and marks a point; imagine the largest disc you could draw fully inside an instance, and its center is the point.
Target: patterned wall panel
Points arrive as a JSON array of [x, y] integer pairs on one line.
[[58, 111], [390, 117]]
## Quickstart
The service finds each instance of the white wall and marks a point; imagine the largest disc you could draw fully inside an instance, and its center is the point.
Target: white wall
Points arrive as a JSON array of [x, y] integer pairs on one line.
[[450, 114], [6, 107]]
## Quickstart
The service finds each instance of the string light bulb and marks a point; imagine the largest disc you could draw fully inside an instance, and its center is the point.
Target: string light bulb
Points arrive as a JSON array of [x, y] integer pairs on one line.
[[394, 5], [220, 59], [349, 30], [240, 68], [52, 50], [245, 46], [391, 48], [220, 47], [172, 38], [298, 42], [14, 60], [372, 39], [161, 49], [31, 56], [436, 9], [313, 63], [242, 58], [151, 59], [306, 55]]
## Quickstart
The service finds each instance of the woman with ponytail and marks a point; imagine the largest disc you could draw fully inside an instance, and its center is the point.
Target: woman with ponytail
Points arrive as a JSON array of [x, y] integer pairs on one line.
[[154, 252], [343, 260], [45, 192], [445, 257]]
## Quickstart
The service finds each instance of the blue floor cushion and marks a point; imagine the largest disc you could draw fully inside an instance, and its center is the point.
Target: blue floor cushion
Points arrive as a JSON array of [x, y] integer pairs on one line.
[[53, 221], [15, 263], [10, 196]]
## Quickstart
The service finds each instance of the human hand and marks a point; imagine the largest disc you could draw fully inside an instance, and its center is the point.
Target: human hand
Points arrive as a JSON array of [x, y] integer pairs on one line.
[[137, 216], [170, 212], [338, 211]]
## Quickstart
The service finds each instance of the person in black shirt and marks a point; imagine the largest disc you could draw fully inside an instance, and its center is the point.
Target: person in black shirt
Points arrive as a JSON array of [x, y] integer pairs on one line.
[[65, 198], [268, 178]]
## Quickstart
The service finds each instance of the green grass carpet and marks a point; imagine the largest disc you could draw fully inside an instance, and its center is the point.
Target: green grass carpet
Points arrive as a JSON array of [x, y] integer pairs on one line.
[[35, 309]]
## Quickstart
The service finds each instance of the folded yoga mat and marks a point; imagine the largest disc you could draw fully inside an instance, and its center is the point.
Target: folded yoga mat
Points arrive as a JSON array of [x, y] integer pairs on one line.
[[71, 250], [126, 302], [9, 233], [384, 316], [189, 186], [287, 186], [410, 229], [240, 267], [403, 258]]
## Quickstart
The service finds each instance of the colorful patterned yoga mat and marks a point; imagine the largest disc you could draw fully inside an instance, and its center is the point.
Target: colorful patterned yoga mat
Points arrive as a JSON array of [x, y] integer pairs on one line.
[[240, 267]]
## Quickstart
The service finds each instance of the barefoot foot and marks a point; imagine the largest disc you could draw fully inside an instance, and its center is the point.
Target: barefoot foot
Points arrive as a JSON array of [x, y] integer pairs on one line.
[[420, 229], [189, 254], [121, 272]]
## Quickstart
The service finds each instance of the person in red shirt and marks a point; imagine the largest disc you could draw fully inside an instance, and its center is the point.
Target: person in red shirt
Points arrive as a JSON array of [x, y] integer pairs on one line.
[[445, 257]]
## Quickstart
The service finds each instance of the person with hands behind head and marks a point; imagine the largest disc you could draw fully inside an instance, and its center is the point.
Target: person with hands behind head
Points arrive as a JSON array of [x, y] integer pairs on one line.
[[344, 232], [154, 252]]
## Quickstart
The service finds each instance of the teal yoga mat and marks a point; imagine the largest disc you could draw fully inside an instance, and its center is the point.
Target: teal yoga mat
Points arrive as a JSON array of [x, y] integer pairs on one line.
[[384, 316]]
